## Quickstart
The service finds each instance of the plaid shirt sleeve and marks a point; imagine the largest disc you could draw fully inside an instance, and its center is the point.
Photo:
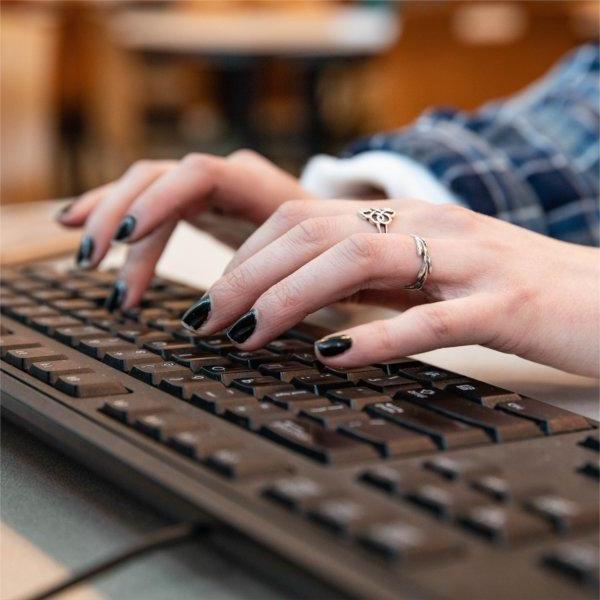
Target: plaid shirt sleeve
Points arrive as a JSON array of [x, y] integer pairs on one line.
[[532, 159]]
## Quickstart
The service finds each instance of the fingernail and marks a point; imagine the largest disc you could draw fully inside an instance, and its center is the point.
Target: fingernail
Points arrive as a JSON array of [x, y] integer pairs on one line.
[[243, 328], [84, 254], [125, 228], [63, 211], [197, 313], [117, 296], [333, 345]]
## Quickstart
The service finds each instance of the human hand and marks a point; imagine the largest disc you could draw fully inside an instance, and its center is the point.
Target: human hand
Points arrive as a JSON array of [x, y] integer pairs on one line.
[[491, 283], [144, 205]]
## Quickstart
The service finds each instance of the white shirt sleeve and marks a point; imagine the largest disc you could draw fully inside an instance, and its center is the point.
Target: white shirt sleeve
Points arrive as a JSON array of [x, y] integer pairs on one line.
[[395, 175]]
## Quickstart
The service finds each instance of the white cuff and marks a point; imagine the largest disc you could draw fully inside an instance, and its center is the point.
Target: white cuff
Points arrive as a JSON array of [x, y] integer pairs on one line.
[[395, 175]]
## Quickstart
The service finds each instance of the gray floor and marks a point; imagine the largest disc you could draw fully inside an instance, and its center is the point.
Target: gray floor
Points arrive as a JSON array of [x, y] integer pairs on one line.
[[76, 518]]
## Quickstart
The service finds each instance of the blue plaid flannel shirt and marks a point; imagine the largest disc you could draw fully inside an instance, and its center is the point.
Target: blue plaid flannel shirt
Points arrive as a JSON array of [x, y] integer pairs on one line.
[[532, 159]]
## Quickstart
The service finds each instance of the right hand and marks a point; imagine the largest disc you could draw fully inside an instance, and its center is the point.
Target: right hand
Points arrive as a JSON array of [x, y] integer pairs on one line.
[[157, 194]]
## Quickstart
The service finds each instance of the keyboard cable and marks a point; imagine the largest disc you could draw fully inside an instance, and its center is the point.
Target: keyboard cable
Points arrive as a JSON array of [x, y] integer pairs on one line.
[[161, 538]]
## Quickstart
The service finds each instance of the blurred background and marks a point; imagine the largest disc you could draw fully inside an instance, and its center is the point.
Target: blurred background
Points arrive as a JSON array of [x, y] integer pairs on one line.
[[88, 86]]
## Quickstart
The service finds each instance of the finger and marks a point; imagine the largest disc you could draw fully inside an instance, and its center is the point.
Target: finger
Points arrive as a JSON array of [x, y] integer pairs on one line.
[[361, 261], [234, 293], [457, 322], [290, 214], [74, 214], [103, 221], [138, 269]]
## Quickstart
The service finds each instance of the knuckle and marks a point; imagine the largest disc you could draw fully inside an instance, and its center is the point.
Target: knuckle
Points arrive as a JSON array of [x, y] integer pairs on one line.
[[362, 247], [459, 216], [312, 231], [286, 295], [437, 321], [236, 281], [384, 337], [292, 212], [245, 155], [140, 167], [195, 161]]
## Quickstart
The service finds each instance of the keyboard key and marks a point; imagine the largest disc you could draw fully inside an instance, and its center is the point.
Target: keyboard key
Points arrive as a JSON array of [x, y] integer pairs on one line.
[[316, 442], [286, 371], [124, 360], [446, 432], [217, 344], [50, 371], [141, 335], [100, 346], [167, 348], [89, 385], [297, 493], [243, 462], [26, 313], [184, 386], [387, 438], [144, 315], [432, 375], [591, 469], [9, 303], [355, 375], [128, 410], [577, 560], [400, 539], [592, 442], [252, 359], [565, 514], [200, 444], [551, 418], [296, 400], [46, 295], [72, 335], [482, 393], [167, 324], [389, 385], [465, 468], [307, 358], [343, 514], [163, 425], [261, 386], [320, 383], [196, 359], [397, 480], [391, 367], [504, 525], [254, 416], [154, 372], [357, 397], [15, 342], [228, 373], [289, 346], [494, 486], [333, 415], [72, 304], [23, 358], [445, 500], [217, 399], [501, 426], [50, 324]]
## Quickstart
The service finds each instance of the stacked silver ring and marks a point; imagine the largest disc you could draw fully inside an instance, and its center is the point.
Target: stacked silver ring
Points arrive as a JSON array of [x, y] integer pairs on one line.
[[423, 274]]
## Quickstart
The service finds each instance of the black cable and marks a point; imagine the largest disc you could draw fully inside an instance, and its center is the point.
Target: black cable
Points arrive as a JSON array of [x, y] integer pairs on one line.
[[166, 536]]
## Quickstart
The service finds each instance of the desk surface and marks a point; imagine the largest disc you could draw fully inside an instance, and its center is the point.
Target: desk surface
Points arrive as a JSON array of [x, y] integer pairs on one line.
[[57, 515]]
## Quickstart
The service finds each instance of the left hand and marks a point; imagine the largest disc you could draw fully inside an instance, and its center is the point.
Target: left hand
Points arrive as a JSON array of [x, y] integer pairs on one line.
[[491, 283]]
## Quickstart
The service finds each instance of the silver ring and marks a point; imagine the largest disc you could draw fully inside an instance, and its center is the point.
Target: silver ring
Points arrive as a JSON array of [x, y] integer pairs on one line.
[[423, 274], [380, 217]]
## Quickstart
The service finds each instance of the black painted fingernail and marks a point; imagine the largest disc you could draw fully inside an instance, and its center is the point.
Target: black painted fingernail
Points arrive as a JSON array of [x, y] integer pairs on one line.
[[63, 211], [195, 316], [84, 254], [243, 328], [125, 228], [116, 297], [334, 345]]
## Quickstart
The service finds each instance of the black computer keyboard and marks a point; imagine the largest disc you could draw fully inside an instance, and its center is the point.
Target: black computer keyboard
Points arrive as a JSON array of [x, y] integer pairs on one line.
[[395, 480]]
